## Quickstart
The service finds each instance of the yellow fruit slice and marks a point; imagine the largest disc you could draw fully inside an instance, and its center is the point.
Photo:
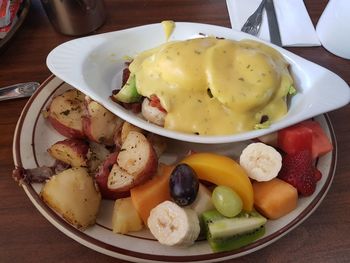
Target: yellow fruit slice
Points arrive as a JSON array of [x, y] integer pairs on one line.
[[125, 218], [222, 170]]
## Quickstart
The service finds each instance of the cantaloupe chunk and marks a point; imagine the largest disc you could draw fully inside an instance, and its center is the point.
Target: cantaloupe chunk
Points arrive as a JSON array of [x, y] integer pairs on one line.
[[155, 191], [274, 198]]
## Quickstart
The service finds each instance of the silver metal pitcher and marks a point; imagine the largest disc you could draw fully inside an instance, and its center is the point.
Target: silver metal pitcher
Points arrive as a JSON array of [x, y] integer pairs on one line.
[[75, 17]]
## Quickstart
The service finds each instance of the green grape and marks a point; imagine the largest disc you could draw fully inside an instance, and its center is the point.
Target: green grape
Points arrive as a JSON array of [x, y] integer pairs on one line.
[[226, 201]]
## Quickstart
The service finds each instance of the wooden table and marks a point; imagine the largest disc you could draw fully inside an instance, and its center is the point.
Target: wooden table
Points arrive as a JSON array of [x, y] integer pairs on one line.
[[26, 236]]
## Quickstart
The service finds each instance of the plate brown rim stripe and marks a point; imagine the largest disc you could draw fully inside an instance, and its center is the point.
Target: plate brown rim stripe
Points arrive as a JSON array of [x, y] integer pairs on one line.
[[258, 244], [17, 139], [110, 229]]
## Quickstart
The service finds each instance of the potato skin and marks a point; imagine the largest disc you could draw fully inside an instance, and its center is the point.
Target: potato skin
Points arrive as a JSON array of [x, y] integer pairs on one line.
[[65, 130], [65, 113], [74, 195], [71, 151]]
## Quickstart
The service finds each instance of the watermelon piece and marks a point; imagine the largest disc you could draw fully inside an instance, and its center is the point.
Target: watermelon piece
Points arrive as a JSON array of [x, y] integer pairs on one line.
[[306, 135], [321, 144], [295, 139]]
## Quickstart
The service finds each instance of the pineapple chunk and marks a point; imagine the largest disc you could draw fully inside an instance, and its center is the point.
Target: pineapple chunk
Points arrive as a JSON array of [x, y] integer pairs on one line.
[[125, 217]]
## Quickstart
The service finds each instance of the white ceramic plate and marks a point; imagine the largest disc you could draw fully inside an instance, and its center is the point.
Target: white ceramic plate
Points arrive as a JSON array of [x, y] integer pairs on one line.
[[34, 135], [91, 65]]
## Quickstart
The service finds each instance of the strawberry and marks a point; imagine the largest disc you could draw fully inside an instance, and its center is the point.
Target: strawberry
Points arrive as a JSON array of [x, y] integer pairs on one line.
[[317, 174], [298, 170]]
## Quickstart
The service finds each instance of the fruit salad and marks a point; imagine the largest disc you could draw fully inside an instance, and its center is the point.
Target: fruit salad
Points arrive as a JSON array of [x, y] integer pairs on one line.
[[201, 196]]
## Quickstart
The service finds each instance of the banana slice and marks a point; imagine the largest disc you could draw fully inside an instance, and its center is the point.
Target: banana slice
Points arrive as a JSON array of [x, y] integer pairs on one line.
[[173, 225], [261, 162], [203, 201]]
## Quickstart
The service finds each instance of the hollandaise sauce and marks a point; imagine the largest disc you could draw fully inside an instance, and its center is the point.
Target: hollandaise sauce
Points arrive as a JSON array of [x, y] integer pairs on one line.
[[211, 86], [168, 28]]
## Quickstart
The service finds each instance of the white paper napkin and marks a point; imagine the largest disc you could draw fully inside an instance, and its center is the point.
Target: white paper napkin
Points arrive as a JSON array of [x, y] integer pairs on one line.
[[295, 25]]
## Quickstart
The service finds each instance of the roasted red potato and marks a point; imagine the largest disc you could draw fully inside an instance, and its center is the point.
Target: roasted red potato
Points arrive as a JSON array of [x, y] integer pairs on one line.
[[99, 124], [122, 133], [101, 178], [73, 194], [98, 154], [65, 113], [158, 142], [71, 151], [136, 163]]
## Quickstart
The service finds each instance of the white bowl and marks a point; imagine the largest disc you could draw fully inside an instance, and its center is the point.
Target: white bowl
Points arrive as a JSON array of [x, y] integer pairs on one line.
[[92, 65]]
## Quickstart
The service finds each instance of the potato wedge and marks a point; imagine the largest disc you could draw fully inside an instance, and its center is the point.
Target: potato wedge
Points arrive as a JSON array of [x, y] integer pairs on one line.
[[119, 180], [102, 175], [99, 124], [65, 113], [136, 163], [71, 151], [158, 142], [126, 128], [98, 154], [123, 132], [74, 195], [137, 156]]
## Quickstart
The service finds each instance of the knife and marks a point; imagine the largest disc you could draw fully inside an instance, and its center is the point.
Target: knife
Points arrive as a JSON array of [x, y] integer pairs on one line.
[[274, 30]]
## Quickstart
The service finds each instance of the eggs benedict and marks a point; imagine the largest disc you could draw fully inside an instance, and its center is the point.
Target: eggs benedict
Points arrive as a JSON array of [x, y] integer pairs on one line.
[[211, 86]]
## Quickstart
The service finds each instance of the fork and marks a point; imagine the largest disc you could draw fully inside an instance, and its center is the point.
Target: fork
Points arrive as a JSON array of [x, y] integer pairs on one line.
[[253, 23]]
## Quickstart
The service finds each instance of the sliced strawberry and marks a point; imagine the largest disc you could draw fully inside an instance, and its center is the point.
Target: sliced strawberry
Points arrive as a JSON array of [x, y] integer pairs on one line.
[[295, 139], [298, 170]]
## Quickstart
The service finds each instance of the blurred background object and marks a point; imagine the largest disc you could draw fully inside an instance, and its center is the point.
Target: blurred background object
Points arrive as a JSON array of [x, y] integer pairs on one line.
[[75, 17]]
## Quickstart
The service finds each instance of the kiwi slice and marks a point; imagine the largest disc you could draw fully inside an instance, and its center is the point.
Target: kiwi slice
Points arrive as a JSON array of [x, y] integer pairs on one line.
[[225, 234]]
